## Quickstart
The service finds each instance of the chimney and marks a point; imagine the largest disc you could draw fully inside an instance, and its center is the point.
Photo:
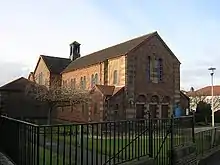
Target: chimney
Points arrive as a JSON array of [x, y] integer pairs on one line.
[[191, 89], [74, 50]]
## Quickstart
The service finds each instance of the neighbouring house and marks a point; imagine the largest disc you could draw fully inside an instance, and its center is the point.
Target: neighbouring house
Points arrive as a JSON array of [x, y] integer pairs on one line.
[[126, 80], [17, 104], [205, 94], [48, 69]]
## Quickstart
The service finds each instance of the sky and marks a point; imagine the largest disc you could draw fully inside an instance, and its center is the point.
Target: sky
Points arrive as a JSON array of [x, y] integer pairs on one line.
[[29, 28]]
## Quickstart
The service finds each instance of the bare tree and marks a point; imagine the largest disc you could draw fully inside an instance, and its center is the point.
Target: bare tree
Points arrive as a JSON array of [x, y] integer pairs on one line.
[[57, 96]]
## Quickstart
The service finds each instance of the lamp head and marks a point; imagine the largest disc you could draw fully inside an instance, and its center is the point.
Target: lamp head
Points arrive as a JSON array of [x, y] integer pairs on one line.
[[212, 69]]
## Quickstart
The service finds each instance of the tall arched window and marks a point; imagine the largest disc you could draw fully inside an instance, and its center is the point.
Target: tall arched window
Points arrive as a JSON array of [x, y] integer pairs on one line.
[[73, 83], [115, 77], [92, 80], [96, 78], [81, 82], [160, 69], [84, 82]]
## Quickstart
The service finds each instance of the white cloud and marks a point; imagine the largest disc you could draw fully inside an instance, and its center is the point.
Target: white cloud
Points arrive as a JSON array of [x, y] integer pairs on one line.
[[10, 71]]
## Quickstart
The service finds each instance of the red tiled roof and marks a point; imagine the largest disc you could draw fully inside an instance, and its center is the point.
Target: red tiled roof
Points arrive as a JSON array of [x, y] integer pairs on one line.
[[206, 91]]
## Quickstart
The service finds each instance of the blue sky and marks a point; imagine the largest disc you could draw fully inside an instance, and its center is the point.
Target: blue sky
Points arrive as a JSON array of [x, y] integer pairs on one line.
[[29, 28]]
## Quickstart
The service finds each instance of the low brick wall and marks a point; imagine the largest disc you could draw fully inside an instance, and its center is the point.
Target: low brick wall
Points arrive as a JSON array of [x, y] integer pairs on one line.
[[141, 161], [185, 155]]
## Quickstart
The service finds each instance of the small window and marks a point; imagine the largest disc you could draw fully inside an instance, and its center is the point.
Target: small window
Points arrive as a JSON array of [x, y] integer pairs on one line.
[[115, 77]]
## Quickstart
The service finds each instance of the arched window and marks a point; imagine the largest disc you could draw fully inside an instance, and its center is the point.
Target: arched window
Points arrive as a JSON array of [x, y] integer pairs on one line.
[[81, 82], [115, 77], [92, 80], [73, 83], [84, 82], [96, 78], [160, 69]]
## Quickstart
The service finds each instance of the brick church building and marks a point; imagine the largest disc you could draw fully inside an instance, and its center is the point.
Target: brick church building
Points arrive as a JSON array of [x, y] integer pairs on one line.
[[126, 80]]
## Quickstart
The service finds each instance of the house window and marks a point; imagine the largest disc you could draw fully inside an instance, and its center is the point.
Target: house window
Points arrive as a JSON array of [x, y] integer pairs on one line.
[[96, 78], [115, 77]]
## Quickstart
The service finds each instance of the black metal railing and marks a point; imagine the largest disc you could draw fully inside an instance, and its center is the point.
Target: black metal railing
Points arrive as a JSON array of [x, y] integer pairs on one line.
[[93, 143], [207, 140]]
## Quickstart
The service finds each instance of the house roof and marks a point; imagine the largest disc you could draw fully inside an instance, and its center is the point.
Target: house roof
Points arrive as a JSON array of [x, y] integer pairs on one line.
[[16, 85], [55, 64], [184, 95], [110, 52], [206, 91], [108, 90]]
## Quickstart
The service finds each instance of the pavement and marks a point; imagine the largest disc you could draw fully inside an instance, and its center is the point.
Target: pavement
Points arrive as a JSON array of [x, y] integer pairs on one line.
[[200, 129]]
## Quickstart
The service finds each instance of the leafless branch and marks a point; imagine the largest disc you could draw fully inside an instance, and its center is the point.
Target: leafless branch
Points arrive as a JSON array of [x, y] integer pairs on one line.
[[196, 97], [57, 95]]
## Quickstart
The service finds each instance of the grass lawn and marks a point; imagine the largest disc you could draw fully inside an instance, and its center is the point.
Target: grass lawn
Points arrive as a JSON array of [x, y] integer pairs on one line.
[[127, 150], [47, 157]]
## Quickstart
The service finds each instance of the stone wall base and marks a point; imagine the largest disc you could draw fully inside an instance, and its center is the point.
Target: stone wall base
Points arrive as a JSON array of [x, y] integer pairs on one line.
[[185, 155], [141, 161]]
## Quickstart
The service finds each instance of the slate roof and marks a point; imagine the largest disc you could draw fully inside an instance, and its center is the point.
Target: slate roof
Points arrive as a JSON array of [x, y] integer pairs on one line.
[[55, 64], [110, 52], [16, 85], [108, 90]]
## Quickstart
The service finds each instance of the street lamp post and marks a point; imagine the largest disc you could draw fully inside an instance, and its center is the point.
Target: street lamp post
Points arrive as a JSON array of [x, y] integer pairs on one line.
[[212, 91]]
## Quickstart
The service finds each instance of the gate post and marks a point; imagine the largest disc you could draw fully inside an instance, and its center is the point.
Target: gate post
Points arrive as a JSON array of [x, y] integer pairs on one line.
[[171, 140], [193, 128], [150, 135]]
